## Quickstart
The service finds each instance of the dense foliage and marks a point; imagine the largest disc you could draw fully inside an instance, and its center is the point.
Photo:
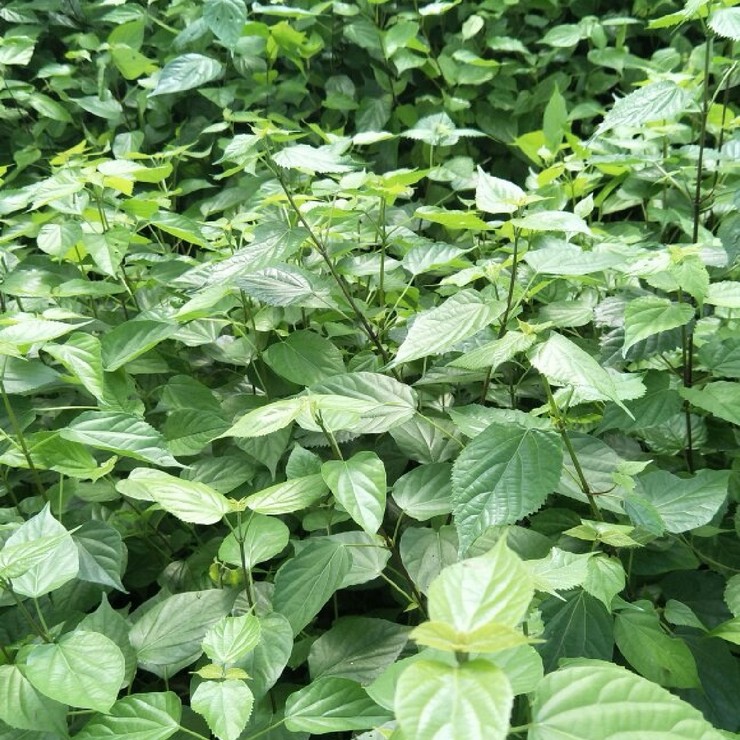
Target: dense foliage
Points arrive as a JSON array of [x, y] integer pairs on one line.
[[369, 368]]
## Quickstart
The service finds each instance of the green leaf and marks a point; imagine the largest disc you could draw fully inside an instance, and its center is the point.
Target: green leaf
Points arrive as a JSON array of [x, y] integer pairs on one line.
[[167, 637], [83, 669], [501, 476], [471, 701], [720, 398], [564, 363], [40, 556], [494, 195], [232, 638], [655, 102], [650, 651], [288, 497], [23, 707], [57, 239], [425, 491], [395, 402], [150, 716], [438, 129], [726, 22], [323, 159], [572, 701], [357, 648], [732, 594], [266, 662], [23, 334], [225, 705], [102, 554], [577, 627], [359, 485], [685, 503], [306, 582], [564, 258], [305, 358], [186, 72], [267, 419], [332, 704], [560, 570], [263, 537], [440, 329], [189, 501], [650, 315], [552, 221], [131, 339], [492, 588], [286, 285], [122, 434], [605, 578], [226, 19], [425, 552]]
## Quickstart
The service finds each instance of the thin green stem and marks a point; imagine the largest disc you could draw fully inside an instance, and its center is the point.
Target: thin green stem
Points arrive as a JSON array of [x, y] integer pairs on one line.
[[324, 254], [22, 441], [560, 426], [35, 626], [193, 733]]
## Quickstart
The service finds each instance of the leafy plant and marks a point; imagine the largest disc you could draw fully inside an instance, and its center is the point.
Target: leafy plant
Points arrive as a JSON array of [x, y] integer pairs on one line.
[[369, 369]]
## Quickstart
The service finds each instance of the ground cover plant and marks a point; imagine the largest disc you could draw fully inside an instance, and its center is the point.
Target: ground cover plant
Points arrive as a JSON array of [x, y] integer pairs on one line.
[[369, 369]]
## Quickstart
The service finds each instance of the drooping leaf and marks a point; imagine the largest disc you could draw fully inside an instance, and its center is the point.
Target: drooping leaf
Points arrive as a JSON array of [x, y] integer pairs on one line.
[[121, 434], [189, 501], [359, 485], [306, 582]]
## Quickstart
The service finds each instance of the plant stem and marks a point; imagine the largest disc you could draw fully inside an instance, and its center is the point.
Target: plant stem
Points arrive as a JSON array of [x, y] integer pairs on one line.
[[560, 426], [321, 249], [239, 535], [35, 626], [22, 441]]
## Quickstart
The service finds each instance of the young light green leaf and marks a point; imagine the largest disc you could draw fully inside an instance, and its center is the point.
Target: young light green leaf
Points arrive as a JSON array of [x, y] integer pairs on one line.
[[267, 419], [225, 705], [232, 638], [725, 293], [440, 329], [83, 669], [186, 72], [150, 716], [472, 701], [494, 195], [425, 491], [492, 588], [726, 22], [359, 485], [501, 476], [306, 582], [332, 704], [650, 315], [323, 159], [572, 701]]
